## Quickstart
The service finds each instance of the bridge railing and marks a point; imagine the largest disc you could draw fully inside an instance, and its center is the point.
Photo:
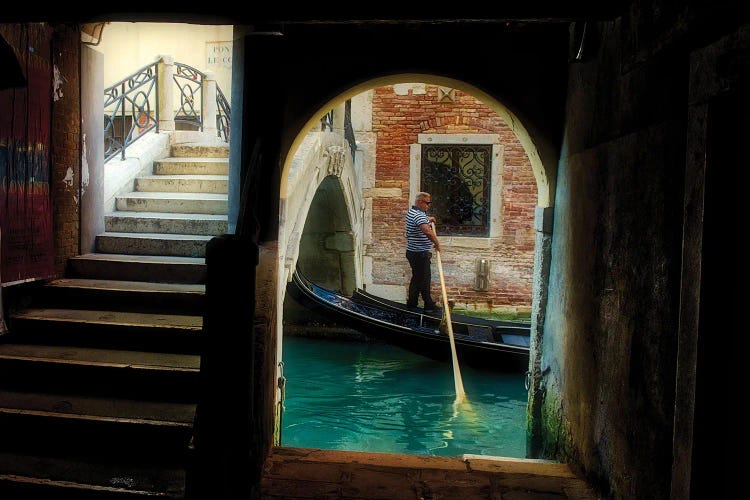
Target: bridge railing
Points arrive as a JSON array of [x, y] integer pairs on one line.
[[142, 102], [128, 110], [329, 121]]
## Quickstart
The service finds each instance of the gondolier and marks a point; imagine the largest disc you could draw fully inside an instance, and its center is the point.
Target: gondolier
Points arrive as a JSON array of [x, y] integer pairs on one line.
[[420, 239]]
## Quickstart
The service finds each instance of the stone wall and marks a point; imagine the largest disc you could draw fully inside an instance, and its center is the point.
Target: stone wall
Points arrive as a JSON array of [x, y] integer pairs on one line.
[[400, 113], [610, 340]]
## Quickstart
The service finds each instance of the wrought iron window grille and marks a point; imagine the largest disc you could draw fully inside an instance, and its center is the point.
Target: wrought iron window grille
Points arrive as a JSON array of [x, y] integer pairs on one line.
[[457, 176]]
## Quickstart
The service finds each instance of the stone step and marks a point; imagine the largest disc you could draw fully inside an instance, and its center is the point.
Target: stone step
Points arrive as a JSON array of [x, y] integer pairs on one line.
[[64, 478], [103, 329], [159, 222], [218, 184], [201, 150], [152, 376], [186, 203], [84, 426], [158, 269], [180, 245], [118, 295], [189, 165]]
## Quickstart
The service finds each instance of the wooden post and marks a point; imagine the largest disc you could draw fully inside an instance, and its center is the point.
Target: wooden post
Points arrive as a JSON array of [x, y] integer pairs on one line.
[[227, 462]]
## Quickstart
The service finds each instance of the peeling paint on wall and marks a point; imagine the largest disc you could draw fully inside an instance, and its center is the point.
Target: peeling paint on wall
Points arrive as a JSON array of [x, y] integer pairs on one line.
[[68, 180], [57, 84], [84, 166]]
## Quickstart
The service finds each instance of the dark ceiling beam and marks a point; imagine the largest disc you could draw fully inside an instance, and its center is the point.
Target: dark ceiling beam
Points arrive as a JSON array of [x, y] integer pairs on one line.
[[323, 13]]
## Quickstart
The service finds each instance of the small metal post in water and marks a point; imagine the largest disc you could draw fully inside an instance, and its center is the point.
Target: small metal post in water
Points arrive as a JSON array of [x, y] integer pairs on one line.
[[460, 393]]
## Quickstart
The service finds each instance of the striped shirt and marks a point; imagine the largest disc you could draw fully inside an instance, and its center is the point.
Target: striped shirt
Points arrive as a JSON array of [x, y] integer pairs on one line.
[[416, 240]]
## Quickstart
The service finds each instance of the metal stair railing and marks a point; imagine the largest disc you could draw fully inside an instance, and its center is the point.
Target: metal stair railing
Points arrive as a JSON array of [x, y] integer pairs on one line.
[[130, 97], [190, 82], [130, 100], [223, 115]]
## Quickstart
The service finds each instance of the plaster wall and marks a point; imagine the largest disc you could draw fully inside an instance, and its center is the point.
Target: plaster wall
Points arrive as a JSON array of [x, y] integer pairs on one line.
[[130, 46]]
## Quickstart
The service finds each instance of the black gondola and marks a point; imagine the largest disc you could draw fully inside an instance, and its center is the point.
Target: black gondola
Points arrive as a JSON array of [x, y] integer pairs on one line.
[[487, 344]]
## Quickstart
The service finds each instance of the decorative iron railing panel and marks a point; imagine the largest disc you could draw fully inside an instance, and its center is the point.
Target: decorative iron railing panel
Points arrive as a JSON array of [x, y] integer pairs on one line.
[[130, 100], [132, 106], [223, 116], [349, 129], [457, 176], [326, 122], [190, 82]]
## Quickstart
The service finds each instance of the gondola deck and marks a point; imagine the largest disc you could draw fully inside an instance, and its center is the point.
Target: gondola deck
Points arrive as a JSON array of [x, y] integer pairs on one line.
[[497, 345]]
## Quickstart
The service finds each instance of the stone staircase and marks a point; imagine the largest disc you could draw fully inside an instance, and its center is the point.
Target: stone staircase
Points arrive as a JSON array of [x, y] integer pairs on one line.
[[99, 375]]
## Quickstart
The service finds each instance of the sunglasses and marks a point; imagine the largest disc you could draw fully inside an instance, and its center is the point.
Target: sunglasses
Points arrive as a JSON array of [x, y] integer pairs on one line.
[[428, 202]]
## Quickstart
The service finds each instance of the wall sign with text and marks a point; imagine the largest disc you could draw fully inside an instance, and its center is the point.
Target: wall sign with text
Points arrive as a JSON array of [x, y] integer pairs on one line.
[[219, 55]]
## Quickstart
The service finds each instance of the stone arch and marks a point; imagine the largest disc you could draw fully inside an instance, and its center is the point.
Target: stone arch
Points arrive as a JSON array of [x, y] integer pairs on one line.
[[543, 158], [328, 246]]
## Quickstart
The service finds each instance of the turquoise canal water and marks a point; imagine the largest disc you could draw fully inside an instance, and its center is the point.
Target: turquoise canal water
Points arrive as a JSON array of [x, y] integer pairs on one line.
[[343, 395]]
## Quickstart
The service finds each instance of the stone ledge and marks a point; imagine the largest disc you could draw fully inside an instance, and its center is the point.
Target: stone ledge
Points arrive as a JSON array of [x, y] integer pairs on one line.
[[382, 193], [465, 242], [311, 473]]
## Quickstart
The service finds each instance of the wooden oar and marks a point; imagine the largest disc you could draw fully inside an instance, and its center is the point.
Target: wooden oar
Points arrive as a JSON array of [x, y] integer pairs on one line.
[[460, 393]]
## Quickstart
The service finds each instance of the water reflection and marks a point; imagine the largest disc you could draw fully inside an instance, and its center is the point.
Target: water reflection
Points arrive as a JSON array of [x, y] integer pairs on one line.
[[380, 398]]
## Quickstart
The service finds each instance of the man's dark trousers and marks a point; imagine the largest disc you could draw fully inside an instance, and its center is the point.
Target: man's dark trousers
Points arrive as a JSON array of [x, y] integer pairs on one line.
[[420, 279]]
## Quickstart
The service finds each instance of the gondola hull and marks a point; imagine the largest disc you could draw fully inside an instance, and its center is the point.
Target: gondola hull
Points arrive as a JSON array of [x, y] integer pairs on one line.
[[483, 344]]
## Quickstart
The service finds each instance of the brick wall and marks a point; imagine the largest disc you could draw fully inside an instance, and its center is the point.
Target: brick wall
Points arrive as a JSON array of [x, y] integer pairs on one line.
[[397, 120], [66, 153]]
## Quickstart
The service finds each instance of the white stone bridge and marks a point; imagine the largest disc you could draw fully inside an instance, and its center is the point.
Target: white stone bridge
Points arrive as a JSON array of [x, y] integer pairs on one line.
[[321, 216]]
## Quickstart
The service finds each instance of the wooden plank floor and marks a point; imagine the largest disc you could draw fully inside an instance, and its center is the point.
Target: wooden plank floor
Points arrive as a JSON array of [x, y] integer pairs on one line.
[[299, 473]]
